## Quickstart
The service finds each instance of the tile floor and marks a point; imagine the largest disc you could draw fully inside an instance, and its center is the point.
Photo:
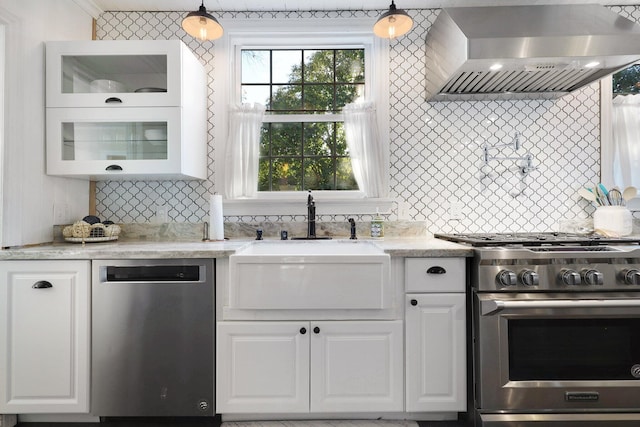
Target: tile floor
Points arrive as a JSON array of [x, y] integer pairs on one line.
[[215, 422]]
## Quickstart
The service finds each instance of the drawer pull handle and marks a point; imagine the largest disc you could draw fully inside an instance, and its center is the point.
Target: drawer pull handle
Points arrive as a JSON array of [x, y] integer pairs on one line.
[[436, 270], [113, 168], [414, 302], [113, 100], [42, 284], [303, 331], [316, 330]]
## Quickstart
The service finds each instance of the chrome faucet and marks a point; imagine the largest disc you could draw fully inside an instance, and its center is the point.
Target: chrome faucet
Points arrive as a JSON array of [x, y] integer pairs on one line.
[[311, 217]]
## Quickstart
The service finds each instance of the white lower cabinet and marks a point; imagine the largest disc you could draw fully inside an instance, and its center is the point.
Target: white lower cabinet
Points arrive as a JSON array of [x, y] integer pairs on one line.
[[44, 336], [299, 366], [435, 352]]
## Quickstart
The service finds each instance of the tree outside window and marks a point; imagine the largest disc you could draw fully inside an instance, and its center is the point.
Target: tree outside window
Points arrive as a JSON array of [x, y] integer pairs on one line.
[[627, 81], [303, 145]]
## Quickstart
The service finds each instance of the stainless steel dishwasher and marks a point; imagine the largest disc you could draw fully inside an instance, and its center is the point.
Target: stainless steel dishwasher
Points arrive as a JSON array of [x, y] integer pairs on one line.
[[152, 338]]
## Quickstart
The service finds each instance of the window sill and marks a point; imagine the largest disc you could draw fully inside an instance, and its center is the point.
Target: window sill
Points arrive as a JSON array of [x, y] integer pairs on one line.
[[295, 203]]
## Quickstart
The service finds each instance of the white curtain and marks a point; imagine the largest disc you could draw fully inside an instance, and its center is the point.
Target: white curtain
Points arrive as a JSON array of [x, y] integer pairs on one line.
[[243, 151], [365, 148], [626, 140]]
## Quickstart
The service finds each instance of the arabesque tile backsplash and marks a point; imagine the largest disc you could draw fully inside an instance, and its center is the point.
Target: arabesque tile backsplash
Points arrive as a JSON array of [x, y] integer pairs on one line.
[[436, 148]]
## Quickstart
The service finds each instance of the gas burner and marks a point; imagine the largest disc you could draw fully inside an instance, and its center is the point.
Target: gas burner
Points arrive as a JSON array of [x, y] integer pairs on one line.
[[534, 239]]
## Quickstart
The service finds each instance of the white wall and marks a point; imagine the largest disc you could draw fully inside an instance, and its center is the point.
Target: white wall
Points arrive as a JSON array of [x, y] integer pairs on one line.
[[28, 195]]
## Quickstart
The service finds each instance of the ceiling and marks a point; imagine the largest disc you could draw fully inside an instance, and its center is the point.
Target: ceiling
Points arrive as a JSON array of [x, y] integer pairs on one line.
[[285, 5]]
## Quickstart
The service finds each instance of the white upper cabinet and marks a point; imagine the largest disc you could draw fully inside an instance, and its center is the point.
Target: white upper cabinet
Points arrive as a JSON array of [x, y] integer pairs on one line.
[[125, 109]]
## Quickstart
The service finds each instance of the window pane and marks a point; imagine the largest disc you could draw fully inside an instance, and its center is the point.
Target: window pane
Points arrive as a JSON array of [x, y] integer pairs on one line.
[[318, 174], [319, 97], [255, 66], [350, 66], [318, 139], [341, 141], [344, 175], [287, 174], [287, 66], [318, 66], [286, 139], [259, 94], [627, 81], [287, 98], [347, 93], [265, 140], [264, 176]]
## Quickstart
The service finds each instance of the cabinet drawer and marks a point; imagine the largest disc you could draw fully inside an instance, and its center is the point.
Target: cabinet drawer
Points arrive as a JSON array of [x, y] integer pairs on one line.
[[435, 274]]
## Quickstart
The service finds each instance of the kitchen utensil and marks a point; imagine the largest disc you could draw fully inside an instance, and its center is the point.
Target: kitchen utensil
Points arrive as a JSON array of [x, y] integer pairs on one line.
[[603, 189], [615, 197], [629, 193], [583, 192], [602, 199]]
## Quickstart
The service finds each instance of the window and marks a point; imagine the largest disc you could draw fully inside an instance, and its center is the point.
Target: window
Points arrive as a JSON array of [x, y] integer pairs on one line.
[[620, 127], [271, 61], [307, 151]]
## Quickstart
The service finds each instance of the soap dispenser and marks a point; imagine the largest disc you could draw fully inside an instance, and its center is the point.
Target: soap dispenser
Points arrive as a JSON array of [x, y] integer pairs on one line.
[[377, 226]]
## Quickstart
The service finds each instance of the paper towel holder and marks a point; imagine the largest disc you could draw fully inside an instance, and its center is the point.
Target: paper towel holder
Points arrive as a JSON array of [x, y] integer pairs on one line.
[[205, 232]]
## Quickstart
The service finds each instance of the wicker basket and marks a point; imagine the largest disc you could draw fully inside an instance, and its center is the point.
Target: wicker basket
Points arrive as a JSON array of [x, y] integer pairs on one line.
[[84, 230]]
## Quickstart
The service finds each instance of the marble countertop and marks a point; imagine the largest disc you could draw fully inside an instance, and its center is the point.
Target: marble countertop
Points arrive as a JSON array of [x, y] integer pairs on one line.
[[400, 247]]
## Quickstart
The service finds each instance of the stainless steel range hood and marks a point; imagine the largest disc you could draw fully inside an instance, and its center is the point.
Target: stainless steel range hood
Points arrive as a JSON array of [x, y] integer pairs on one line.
[[544, 51]]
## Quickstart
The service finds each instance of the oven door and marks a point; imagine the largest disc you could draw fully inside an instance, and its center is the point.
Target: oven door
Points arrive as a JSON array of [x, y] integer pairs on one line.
[[564, 353]]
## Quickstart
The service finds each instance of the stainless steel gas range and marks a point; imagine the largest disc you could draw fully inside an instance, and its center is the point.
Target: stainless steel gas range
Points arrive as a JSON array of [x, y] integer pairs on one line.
[[556, 330]]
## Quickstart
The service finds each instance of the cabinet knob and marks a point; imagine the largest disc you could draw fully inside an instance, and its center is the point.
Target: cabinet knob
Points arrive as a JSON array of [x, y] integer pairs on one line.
[[316, 330], [42, 284], [303, 331], [414, 302], [436, 269], [113, 168], [113, 100]]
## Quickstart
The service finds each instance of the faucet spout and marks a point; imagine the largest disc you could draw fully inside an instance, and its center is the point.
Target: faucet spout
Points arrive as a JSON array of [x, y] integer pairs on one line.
[[311, 217]]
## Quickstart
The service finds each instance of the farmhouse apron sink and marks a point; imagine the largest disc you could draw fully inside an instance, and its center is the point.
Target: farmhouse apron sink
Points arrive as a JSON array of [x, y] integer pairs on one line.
[[293, 275]]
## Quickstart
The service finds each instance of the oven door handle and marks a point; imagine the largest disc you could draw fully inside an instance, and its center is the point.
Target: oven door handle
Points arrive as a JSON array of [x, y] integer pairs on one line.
[[490, 307]]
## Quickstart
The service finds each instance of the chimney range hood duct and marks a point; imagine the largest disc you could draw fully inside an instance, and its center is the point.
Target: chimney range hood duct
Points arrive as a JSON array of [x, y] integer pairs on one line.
[[525, 52]]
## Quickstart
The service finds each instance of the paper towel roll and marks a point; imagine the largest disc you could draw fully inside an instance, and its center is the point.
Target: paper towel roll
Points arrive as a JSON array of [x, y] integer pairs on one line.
[[216, 221]]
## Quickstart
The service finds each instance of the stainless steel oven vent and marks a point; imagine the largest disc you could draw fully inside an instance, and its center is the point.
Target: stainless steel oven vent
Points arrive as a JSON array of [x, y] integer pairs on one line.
[[524, 52]]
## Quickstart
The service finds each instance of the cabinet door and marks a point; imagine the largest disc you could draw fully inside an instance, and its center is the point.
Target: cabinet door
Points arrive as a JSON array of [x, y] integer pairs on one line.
[[110, 144], [44, 336], [435, 352], [115, 73], [262, 367], [356, 366]]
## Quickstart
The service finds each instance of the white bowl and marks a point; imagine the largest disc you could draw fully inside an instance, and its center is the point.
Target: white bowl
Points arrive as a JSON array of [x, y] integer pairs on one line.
[[155, 134], [107, 86]]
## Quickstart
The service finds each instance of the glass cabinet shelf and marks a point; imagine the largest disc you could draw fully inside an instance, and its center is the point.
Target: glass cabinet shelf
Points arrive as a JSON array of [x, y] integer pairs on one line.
[[114, 141]]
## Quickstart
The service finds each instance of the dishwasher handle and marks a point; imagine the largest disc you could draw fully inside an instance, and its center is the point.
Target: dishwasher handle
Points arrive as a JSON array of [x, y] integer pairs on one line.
[[153, 273]]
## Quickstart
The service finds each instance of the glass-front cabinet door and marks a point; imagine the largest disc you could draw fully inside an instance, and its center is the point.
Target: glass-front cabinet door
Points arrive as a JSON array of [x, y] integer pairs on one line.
[[108, 146], [120, 73]]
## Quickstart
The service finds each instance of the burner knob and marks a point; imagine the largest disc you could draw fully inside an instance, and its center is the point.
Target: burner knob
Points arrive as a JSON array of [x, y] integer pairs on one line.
[[631, 276], [529, 278], [507, 278], [592, 277], [569, 277]]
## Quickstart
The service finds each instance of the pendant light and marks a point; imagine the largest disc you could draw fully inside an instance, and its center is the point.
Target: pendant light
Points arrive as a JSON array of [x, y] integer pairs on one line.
[[202, 25], [393, 23]]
